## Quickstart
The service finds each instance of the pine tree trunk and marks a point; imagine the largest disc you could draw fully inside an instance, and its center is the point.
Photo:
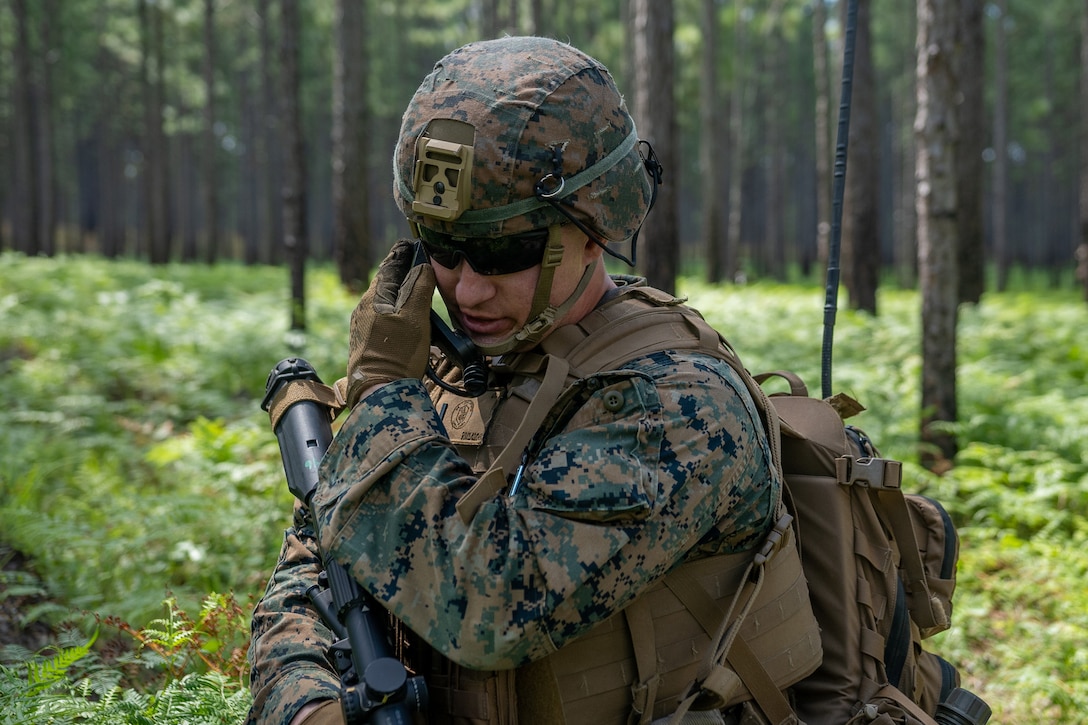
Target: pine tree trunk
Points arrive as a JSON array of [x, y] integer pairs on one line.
[[710, 160], [351, 225], [154, 187], [773, 242], [1082, 249], [860, 222], [936, 131], [294, 182], [970, 71], [737, 111], [1001, 145], [26, 210], [656, 121], [270, 211], [822, 128], [209, 181], [46, 136]]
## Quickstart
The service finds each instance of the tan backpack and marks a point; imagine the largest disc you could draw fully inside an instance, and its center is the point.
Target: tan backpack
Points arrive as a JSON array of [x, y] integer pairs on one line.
[[881, 569]]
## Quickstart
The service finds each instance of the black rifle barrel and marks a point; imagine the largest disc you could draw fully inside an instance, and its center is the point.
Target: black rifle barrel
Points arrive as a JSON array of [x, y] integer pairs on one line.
[[377, 689]]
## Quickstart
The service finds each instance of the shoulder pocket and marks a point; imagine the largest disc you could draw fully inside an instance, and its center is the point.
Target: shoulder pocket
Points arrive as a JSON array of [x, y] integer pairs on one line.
[[597, 455]]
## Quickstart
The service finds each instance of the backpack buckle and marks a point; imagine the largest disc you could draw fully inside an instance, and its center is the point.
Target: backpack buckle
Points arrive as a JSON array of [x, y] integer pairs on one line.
[[875, 473], [774, 539]]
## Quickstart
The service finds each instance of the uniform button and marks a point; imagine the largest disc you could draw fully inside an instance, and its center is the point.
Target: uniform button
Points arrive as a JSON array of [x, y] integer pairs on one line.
[[613, 400]]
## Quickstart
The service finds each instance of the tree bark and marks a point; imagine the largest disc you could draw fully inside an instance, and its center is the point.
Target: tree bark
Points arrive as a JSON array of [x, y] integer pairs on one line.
[[1082, 249], [654, 57], [154, 143], [905, 215], [46, 135], [209, 173], [712, 132], [1001, 146], [489, 19], [248, 106], [536, 17], [970, 72], [936, 130], [270, 157], [294, 182], [774, 242], [350, 125], [737, 111], [822, 129], [861, 223], [26, 211]]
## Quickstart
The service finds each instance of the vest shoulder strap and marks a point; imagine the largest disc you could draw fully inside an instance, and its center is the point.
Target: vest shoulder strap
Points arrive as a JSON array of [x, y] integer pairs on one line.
[[642, 320]]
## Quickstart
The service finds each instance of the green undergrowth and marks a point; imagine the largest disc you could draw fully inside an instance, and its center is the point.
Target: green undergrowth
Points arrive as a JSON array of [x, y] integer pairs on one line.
[[138, 467]]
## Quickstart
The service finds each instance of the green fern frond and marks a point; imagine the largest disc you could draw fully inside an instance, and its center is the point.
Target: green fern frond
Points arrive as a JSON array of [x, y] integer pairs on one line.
[[45, 673], [171, 632]]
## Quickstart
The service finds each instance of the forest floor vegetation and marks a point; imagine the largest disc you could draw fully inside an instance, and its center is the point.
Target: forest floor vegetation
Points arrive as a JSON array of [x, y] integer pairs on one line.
[[143, 497]]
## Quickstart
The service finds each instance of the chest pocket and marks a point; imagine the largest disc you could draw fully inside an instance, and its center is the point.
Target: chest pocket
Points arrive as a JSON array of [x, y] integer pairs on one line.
[[602, 442]]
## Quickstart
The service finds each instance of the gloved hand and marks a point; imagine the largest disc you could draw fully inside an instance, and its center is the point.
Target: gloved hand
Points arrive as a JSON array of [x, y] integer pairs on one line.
[[328, 713], [390, 327]]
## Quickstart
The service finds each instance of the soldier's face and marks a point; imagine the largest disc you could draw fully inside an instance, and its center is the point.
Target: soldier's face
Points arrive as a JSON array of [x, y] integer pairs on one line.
[[491, 308]]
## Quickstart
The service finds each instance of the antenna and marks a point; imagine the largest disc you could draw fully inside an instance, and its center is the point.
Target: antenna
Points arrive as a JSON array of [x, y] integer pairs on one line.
[[835, 241]]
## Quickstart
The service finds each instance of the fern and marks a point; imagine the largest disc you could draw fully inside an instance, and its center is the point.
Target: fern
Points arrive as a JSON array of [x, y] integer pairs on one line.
[[46, 673], [45, 689]]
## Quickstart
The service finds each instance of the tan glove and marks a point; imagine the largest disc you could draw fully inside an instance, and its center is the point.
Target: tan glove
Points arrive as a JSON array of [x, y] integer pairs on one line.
[[328, 713], [390, 327]]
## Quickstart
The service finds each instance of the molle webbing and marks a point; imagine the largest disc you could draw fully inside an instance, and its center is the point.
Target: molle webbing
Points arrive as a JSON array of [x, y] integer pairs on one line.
[[653, 651]]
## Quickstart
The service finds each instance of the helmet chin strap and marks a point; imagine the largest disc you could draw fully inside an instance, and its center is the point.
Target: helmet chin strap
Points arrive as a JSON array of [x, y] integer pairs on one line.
[[542, 315]]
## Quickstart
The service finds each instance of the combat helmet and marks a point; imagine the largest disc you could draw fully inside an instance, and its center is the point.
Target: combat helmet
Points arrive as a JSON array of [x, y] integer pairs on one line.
[[516, 135]]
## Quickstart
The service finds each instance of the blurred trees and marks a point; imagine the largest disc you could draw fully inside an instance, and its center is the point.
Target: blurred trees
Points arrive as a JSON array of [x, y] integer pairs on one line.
[[153, 129]]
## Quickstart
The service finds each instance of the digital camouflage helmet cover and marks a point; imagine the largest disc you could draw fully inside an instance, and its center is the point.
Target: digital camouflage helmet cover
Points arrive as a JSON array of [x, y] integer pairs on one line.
[[526, 111]]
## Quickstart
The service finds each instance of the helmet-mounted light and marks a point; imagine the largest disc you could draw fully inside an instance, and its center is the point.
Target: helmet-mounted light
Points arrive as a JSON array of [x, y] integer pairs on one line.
[[443, 173]]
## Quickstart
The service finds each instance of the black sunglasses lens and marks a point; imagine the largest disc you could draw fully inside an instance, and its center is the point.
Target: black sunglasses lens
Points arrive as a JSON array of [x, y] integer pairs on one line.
[[500, 255], [448, 258]]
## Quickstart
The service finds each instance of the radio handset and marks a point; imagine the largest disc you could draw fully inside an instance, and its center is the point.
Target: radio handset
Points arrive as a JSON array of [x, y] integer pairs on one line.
[[457, 347]]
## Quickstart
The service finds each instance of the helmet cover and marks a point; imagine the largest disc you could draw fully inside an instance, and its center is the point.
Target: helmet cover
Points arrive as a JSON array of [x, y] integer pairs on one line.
[[540, 111]]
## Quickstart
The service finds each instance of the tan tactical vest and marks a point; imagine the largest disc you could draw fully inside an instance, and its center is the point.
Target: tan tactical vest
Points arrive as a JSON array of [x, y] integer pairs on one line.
[[715, 634]]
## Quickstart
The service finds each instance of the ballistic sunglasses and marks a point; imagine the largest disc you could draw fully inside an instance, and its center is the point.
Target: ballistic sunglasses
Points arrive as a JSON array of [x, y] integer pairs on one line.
[[487, 256]]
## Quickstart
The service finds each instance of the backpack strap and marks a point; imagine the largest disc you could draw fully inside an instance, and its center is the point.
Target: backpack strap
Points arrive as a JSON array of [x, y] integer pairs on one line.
[[731, 662], [743, 665], [640, 619], [642, 320], [883, 478], [494, 479]]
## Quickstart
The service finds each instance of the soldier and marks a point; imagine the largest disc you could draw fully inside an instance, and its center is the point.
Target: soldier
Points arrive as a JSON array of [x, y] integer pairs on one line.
[[616, 438]]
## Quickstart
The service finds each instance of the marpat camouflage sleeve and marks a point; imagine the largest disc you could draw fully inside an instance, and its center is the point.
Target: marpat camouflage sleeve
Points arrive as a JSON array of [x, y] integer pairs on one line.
[[633, 469], [287, 654]]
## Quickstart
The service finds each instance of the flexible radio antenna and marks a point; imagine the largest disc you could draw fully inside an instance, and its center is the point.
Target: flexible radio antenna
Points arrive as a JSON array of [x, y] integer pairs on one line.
[[834, 243]]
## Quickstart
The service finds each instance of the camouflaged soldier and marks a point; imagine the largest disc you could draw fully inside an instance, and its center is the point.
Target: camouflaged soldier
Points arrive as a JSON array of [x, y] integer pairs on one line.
[[509, 532]]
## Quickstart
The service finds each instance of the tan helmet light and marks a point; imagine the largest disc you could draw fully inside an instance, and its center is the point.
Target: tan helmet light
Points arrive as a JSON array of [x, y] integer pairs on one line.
[[443, 173]]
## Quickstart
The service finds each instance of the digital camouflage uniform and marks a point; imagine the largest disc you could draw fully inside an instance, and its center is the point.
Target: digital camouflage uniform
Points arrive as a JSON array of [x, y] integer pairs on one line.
[[611, 501], [636, 468]]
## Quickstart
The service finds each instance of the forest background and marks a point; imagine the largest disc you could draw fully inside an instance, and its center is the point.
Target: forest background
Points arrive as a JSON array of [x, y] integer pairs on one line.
[[160, 133]]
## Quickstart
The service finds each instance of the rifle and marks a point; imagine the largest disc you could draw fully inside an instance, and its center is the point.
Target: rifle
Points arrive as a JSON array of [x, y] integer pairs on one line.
[[375, 687]]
